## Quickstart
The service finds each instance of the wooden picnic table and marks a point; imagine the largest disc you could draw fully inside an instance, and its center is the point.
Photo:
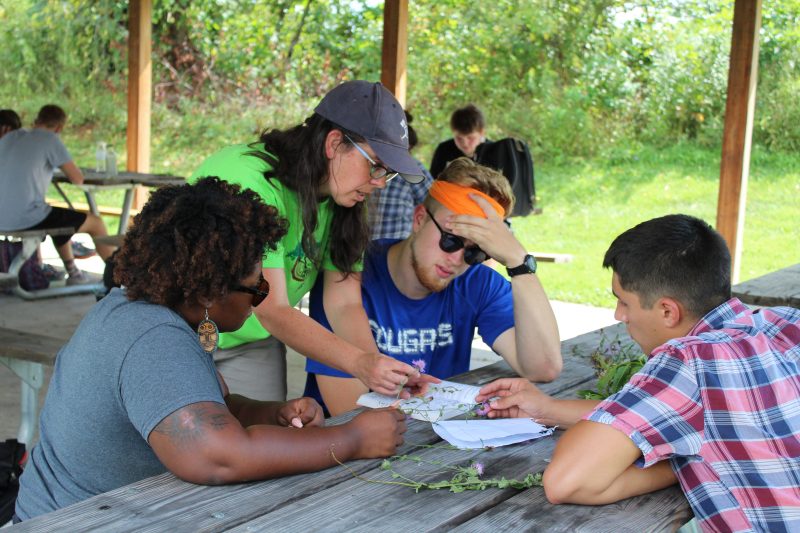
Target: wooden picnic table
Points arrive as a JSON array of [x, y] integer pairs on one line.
[[781, 287], [334, 500], [94, 181]]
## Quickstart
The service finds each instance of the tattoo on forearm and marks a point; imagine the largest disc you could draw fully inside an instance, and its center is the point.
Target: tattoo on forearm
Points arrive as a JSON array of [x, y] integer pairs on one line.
[[190, 424]]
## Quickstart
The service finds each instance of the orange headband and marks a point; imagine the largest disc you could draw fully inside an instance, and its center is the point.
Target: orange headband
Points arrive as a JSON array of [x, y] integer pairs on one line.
[[456, 199]]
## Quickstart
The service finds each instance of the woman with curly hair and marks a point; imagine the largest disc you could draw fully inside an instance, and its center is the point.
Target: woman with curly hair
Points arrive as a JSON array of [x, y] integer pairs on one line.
[[135, 392], [318, 175]]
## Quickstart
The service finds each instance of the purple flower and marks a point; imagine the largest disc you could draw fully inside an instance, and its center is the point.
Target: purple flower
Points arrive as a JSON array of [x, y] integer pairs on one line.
[[419, 364], [482, 409], [478, 466]]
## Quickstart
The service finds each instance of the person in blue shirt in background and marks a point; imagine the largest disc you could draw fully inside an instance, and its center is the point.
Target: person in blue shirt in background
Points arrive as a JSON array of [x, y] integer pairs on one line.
[[425, 295]]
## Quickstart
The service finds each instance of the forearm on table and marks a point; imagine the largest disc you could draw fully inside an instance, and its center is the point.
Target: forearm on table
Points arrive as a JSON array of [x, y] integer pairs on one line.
[[238, 454], [538, 347], [252, 412], [307, 337], [633, 481]]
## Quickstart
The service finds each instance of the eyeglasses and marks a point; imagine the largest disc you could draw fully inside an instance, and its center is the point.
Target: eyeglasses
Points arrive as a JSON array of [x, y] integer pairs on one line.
[[376, 171], [450, 243], [260, 292]]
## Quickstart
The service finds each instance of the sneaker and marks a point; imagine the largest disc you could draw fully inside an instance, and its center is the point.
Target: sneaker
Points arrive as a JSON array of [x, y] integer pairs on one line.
[[52, 273], [82, 252], [79, 278]]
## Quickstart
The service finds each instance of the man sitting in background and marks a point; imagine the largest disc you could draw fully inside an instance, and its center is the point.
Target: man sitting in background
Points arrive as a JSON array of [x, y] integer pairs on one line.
[[425, 295], [27, 161], [716, 406], [468, 125]]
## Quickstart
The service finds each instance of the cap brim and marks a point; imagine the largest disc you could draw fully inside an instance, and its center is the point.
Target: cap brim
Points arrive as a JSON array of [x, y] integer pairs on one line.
[[399, 160]]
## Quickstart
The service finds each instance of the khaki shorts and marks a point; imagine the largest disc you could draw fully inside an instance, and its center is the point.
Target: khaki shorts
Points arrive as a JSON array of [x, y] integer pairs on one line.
[[256, 370]]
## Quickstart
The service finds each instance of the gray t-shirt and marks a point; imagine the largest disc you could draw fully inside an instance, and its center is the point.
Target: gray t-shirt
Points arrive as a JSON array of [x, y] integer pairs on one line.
[[27, 161], [128, 366]]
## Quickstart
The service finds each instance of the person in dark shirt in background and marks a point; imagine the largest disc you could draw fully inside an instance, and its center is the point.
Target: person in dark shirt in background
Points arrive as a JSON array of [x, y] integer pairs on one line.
[[468, 125]]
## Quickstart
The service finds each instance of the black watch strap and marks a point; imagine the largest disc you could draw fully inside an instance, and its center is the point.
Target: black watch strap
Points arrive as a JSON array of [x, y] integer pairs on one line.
[[528, 266]]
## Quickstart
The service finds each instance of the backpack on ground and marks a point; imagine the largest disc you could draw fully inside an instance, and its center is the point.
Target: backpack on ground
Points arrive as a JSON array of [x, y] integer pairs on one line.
[[512, 158], [31, 275], [12, 456]]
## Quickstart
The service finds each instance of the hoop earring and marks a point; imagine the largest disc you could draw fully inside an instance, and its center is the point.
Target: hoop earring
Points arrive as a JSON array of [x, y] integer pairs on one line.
[[208, 334]]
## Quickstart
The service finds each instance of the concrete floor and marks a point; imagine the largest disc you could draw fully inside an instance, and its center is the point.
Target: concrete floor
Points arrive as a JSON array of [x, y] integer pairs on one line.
[[58, 317]]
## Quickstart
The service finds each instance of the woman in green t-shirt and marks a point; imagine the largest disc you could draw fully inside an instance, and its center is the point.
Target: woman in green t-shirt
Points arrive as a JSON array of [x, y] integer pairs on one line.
[[318, 174]]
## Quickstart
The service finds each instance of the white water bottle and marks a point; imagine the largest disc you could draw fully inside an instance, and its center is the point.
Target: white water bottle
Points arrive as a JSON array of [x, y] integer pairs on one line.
[[111, 162], [100, 157]]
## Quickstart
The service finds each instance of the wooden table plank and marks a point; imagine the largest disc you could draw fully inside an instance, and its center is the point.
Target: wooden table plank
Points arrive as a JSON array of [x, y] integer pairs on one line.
[[29, 347], [357, 505], [523, 512], [781, 287], [386, 507]]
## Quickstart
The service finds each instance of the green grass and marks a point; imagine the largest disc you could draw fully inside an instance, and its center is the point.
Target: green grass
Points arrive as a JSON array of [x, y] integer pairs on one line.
[[586, 202]]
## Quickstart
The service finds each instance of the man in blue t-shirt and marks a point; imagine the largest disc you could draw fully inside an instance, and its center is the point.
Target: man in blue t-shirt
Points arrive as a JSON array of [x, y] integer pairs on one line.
[[425, 295]]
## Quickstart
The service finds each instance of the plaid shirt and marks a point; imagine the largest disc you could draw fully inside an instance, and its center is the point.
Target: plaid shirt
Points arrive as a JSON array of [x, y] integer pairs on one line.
[[391, 209], [723, 406]]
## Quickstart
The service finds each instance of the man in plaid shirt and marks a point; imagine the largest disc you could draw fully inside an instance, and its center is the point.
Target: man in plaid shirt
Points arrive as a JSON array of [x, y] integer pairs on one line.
[[391, 210], [716, 407]]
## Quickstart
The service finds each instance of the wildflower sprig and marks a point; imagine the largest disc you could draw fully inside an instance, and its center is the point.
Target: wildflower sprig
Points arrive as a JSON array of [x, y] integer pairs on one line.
[[615, 362], [462, 477]]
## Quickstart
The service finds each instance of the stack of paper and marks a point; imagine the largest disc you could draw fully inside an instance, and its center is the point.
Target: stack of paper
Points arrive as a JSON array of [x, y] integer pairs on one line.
[[472, 434]]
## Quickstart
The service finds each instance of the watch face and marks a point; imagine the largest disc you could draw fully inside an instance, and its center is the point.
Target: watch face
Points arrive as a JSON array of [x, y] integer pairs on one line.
[[530, 262]]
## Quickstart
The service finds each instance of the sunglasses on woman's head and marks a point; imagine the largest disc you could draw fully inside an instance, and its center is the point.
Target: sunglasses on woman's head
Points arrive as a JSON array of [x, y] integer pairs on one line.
[[259, 292], [450, 243]]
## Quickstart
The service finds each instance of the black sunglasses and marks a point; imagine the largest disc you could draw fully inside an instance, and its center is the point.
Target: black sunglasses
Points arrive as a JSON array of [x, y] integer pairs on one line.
[[450, 243], [260, 292]]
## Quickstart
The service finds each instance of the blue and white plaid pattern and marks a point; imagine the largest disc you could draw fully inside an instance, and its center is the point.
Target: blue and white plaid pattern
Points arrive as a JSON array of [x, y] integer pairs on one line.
[[391, 210], [723, 405]]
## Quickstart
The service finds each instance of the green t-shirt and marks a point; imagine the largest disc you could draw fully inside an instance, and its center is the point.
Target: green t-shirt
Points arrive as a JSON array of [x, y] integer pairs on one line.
[[234, 165]]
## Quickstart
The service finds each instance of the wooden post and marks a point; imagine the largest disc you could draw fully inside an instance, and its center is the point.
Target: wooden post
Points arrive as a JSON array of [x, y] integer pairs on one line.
[[395, 48], [140, 74], [737, 136]]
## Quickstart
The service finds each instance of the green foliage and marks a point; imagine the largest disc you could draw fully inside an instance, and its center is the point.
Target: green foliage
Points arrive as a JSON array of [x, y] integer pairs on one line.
[[571, 77], [587, 202], [616, 362]]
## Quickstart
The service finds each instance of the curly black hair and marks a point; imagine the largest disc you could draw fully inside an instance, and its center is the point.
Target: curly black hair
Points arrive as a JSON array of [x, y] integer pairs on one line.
[[195, 243]]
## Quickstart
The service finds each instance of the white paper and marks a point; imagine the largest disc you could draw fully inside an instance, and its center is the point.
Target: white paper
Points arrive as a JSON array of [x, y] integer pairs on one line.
[[442, 401], [472, 434]]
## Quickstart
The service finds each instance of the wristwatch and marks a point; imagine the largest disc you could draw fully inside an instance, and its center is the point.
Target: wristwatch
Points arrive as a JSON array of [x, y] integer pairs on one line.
[[528, 266]]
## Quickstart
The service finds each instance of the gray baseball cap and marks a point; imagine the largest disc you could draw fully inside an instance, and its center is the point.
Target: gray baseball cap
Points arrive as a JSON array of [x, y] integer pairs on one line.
[[371, 111]]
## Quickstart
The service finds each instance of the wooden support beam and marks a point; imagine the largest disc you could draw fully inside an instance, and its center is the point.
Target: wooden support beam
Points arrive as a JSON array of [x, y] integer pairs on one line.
[[395, 48], [737, 136], [140, 76]]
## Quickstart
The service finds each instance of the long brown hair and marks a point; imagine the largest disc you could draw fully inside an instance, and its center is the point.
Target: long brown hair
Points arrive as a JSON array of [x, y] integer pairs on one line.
[[298, 161]]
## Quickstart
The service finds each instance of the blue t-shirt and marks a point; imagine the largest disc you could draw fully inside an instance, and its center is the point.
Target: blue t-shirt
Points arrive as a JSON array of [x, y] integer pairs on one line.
[[438, 328], [128, 366]]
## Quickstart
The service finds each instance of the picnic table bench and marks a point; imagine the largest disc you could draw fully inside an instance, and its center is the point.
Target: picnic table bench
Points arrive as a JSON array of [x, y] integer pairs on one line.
[[781, 287], [335, 500], [26, 354]]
